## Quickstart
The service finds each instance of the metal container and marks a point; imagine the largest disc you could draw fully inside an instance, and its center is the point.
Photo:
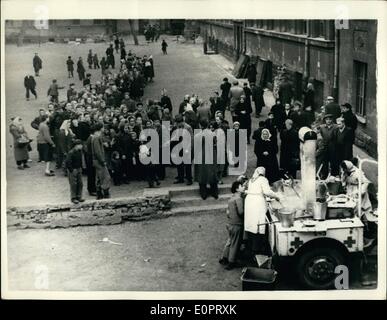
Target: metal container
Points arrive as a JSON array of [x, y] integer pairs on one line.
[[320, 210], [257, 279], [286, 217], [334, 187]]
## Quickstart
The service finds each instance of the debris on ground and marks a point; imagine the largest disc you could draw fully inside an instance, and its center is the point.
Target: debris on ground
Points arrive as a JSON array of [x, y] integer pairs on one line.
[[109, 241]]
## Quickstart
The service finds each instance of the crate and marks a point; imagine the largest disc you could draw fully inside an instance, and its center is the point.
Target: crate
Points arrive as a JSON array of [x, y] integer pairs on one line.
[[258, 279]]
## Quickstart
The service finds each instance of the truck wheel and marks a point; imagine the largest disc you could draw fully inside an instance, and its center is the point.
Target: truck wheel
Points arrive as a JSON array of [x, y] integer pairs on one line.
[[315, 268]]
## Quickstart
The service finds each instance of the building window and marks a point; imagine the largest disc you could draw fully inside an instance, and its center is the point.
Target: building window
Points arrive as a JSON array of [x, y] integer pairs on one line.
[[76, 22], [270, 24], [321, 32], [361, 84], [303, 26], [97, 21]]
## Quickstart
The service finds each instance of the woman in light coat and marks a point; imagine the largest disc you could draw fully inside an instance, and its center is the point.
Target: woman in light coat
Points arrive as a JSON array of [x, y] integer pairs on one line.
[[350, 179], [20, 143], [256, 207]]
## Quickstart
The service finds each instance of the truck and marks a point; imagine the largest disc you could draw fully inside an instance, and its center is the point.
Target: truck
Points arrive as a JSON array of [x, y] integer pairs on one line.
[[323, 231]]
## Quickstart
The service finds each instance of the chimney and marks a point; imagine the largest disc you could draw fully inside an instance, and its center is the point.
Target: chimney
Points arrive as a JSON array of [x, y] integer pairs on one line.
[[308, 140]]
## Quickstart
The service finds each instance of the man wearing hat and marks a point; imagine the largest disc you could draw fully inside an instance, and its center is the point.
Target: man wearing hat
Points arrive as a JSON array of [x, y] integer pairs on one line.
[[328, 133], [37, 64], [332, 108], [74, 169]]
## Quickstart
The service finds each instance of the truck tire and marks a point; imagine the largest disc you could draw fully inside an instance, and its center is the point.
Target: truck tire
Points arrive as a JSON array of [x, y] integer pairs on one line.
[[315, 267]]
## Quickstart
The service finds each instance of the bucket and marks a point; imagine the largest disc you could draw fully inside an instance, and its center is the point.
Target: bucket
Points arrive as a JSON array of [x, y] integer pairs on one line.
[[286, 217], [320, 210], [257, 279]]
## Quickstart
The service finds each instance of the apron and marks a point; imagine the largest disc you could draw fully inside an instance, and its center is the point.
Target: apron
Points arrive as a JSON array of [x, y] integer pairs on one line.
[[255, 207]]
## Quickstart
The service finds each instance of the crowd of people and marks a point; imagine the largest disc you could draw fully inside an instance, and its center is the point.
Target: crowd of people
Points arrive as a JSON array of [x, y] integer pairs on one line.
[[111, 110]]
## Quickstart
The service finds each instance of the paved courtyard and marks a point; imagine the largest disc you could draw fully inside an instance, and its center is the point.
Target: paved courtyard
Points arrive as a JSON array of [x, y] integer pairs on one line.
[[185, 70], [75, 258]]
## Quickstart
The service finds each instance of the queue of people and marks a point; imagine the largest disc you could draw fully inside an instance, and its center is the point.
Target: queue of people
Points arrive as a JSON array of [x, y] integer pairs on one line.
[[115, 102]]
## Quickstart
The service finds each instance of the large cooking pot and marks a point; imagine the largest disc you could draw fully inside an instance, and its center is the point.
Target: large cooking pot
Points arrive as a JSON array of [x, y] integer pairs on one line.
[[286, 217]]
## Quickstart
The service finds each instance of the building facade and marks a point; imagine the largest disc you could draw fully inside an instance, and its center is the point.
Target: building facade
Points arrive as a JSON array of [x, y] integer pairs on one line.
[[357, 78], [310, 50], [59, 30]]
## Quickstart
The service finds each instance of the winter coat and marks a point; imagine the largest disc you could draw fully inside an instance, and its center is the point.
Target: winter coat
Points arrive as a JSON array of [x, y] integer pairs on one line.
[[20, 150]]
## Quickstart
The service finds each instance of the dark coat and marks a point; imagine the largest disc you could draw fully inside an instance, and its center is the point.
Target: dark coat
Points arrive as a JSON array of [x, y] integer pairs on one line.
[[309, 99], [20, 150], [70, 65], [243, 118], [278, 111], [270, 124], [80, 67], [350, 121], [257, 95], [217, 104], [207, 173], [35, 123], [225, 87], [285, 92], [37, 63], [248, 94], [329, 139], [166, 103], [124, 145], [251, 73], [290, 149], [334, 109], [344, 142], [29, 82], [270, 161]]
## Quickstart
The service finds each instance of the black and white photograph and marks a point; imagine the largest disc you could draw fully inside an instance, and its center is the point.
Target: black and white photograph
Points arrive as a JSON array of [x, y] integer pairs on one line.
[[192, 154]]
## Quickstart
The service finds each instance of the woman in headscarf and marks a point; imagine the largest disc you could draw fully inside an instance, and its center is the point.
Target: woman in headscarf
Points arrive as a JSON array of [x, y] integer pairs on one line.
[[350, 180], [65, 139], [256, 207], [266, 151], [21, 143]]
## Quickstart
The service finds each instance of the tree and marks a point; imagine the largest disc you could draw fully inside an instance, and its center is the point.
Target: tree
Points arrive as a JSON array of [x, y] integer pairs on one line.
[[132, 30]]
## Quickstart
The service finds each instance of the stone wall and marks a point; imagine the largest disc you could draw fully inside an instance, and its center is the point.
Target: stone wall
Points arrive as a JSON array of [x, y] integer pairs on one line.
[[102, 212]]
